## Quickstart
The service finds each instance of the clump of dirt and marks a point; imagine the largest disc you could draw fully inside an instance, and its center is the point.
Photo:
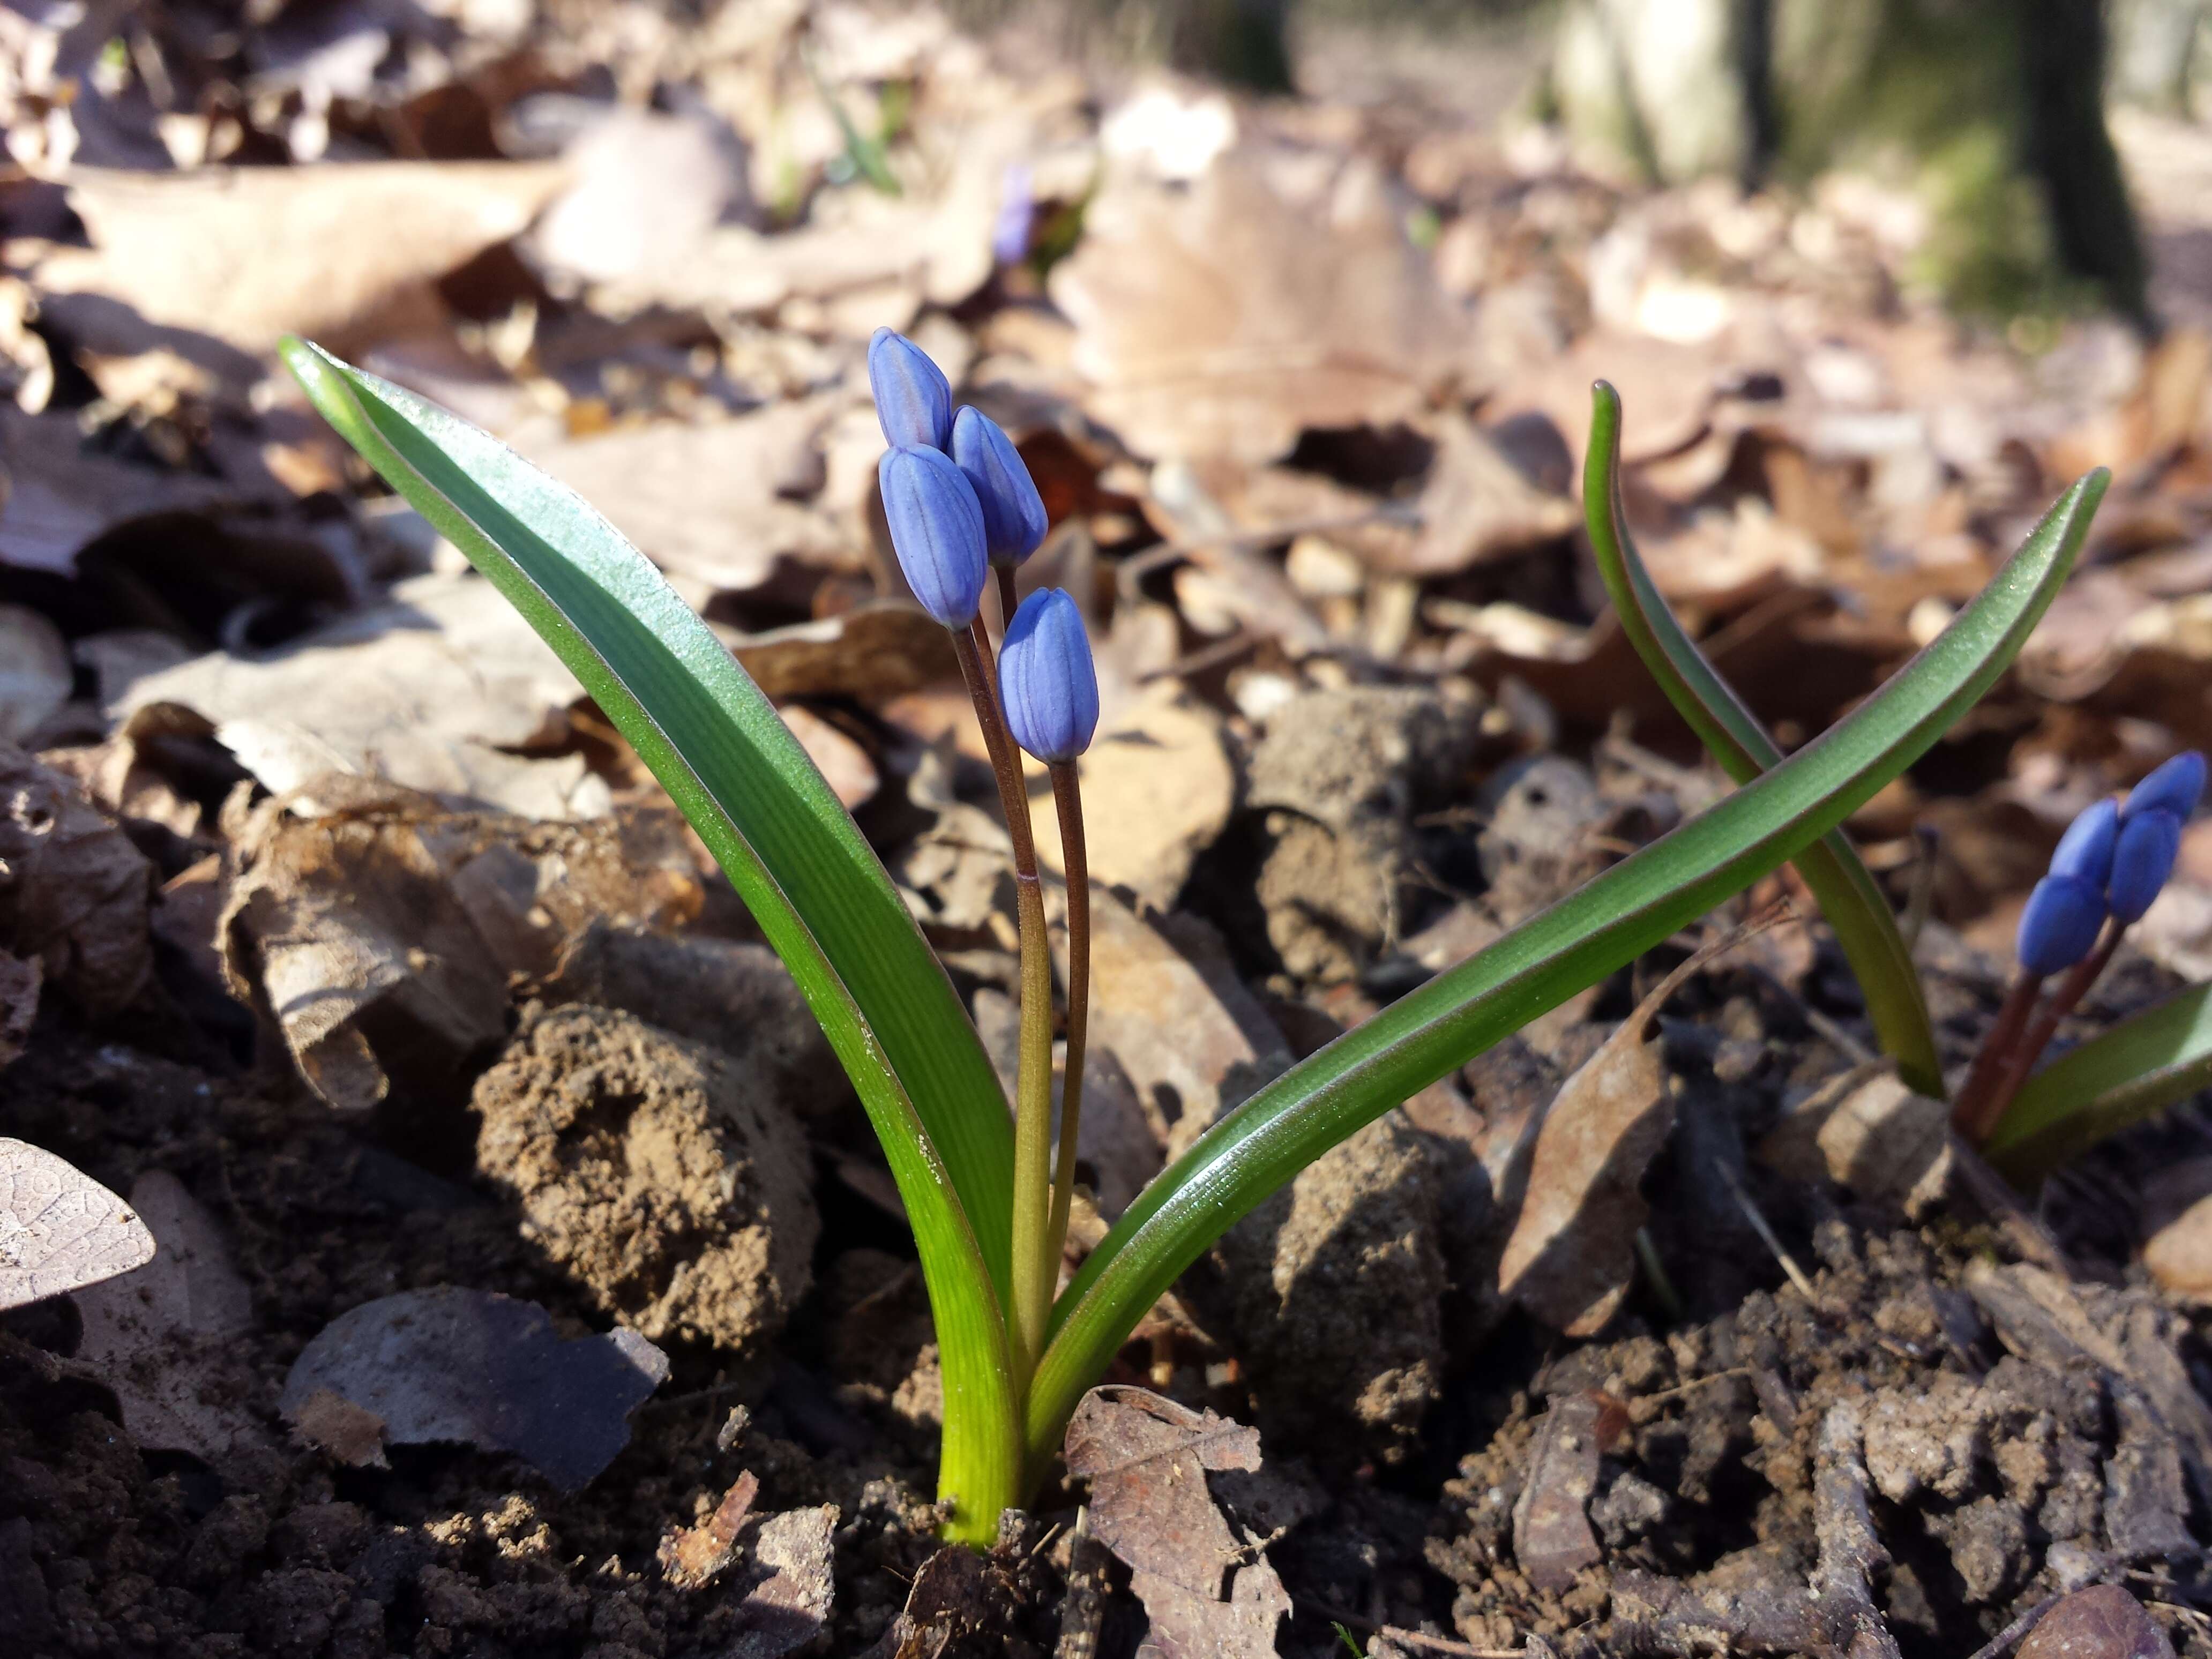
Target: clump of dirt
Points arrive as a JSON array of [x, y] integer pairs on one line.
[[1335, 1288], [1338, 779], [651, 1169], [2009, 1436]]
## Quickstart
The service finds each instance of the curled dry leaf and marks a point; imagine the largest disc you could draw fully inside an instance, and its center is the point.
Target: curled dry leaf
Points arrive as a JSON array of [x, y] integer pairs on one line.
[[59, 1229], [74, 893], [1227, 318], [163, 1337], [1570, 1255], [437, 690], [487, 1370], [1205, 1582], [2178, 1229], [390, 902]]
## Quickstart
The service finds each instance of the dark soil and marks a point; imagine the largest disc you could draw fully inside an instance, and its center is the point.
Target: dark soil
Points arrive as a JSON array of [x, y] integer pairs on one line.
[[2017, 1435]]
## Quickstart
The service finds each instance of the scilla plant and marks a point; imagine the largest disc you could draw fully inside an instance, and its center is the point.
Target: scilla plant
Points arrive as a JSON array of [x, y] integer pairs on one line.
[[2108, 867], [977, 1180]]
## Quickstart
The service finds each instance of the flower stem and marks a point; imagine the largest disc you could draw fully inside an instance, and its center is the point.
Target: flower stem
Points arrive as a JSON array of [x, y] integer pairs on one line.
[[2062, 1002], [1067, 796], [1036, 1264], [1974, 1113], [1005, 572]]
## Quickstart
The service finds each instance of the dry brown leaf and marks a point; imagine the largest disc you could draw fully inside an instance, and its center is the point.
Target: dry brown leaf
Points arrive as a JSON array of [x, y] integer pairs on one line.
[[1570, 1256], [871, 653], [59, 1229], [1166, 1003], [1207, 1586], [162, 1337], [1157, 789], [1227, 318], [234, 259], [390, 902], [76, 893], [1476, 505], [695, 1556], [704, 500], [486, 1369], [436, 690], [1553, 1540]]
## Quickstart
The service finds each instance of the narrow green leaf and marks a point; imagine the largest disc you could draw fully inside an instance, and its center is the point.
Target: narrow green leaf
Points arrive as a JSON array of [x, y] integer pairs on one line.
[[1600, 927], [1849, 896], [791, 849], [2117, 1078]]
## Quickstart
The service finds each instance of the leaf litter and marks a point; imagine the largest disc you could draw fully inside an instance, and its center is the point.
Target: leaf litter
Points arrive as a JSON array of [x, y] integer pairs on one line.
[[303, 822]]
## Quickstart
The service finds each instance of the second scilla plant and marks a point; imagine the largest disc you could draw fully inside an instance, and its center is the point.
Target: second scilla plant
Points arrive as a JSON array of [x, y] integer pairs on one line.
[[987, 1201]]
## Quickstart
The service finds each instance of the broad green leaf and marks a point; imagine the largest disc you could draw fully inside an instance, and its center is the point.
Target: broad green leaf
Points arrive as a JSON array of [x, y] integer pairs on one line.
[[2117, 1078], [1598, 928], [1850, 897], [793, 852]]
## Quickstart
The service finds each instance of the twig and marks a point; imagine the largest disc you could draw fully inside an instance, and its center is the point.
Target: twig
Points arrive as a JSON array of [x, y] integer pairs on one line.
[[1765, 1233], [2002, 1643], [1082, 1609], [1849, 1553]]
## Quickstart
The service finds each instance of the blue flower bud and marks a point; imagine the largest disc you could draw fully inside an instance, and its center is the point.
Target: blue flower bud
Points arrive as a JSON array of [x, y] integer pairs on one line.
[[1046, 678], [936, 530], [914, 400], [2059, 924], [1014, 519], [2173, 787], [2143, 860], [2085, 851], [1009, 231]]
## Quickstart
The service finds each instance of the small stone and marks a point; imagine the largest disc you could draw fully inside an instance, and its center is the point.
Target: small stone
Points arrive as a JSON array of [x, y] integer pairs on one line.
[[2101, 1622]]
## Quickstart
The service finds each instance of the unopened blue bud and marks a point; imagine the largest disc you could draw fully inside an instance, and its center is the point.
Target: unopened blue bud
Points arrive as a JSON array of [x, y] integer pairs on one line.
[[914, 400], [2173, 787], [1046, 678], [2085, 851], [936, 530], [1009, 231], [2149, 841], [1014, 519], [2059, 924]]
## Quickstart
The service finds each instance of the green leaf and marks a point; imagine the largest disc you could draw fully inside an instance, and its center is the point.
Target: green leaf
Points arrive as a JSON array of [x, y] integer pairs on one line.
[[1847, 891], [1599, 927], [2117, 1078], [791, 849]]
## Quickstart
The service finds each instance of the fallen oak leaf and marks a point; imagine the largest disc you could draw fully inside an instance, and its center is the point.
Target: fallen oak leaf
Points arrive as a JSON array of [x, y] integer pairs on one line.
[[1206, 1587], [59, 1229], [482, 1369]]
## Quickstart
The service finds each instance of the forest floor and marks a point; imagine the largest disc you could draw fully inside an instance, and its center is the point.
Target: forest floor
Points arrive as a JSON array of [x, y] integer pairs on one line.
[[530, 1281]]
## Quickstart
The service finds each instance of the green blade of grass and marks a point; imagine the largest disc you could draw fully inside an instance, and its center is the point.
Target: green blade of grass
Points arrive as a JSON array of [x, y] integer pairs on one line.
[[793, 852], [2119, 1076], [1598, 928], [1849, 896]]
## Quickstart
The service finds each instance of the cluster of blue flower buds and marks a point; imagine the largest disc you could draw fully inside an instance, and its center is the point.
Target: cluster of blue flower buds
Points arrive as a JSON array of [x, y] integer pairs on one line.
[[2111, 860], [959, 499]]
